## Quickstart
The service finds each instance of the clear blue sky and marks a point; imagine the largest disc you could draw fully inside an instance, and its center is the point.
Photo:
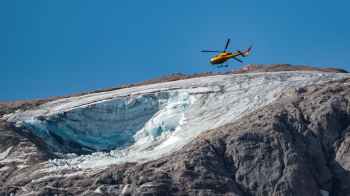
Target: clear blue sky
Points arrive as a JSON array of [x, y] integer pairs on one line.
[[52, 48]]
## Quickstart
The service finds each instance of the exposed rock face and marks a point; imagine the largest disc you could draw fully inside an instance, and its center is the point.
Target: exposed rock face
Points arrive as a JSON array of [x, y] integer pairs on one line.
[[26, 153], [294, 146]]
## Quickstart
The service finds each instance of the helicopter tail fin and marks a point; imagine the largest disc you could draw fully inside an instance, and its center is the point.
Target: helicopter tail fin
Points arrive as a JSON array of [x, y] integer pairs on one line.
[[247, 52]]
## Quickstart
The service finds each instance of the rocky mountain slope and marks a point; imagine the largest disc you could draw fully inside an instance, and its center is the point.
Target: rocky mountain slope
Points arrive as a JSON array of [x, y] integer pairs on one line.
[[280, 133]]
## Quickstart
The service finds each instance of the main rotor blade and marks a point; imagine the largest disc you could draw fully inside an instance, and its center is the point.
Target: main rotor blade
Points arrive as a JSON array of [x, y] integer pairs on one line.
[[211, 51], [237, 59], [240, 53], [228, 41]]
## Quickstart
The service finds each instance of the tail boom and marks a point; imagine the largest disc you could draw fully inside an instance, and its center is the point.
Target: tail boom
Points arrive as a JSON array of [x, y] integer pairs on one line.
[[247, 52]]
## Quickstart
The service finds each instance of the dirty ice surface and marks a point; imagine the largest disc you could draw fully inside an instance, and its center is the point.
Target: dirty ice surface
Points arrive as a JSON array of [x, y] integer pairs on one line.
[[148, 122], [114, 124]]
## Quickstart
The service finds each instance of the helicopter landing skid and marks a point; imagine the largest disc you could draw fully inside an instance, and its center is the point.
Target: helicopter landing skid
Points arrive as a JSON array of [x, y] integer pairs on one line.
[[222, 66]]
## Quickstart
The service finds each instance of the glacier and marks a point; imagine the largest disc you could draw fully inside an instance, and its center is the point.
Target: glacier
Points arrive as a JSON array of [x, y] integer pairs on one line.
[[148, 122], [114, 124]]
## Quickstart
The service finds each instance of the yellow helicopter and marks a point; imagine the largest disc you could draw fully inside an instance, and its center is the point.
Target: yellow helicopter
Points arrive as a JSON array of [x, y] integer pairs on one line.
[[224, 56]]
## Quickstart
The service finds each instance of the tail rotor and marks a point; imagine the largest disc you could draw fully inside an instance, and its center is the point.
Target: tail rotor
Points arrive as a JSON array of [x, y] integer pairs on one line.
[[247, 52]]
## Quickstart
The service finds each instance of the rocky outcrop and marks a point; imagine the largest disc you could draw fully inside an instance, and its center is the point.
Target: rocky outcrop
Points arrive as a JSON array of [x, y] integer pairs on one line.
[[252, 68], [26, 154]]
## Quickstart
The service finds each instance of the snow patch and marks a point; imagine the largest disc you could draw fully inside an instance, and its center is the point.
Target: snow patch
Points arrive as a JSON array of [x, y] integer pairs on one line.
[[324, 193], [21, 166], [8, 160], [31, 193], [59, 176], [4, 168], [108, 189], [6, 153]]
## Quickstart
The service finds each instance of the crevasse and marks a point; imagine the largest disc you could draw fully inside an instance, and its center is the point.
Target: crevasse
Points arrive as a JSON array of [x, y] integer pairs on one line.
[[114, 124]]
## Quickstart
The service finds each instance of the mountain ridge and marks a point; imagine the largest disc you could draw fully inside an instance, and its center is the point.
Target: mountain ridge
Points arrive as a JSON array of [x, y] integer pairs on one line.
[[296, 145], [12, 106]]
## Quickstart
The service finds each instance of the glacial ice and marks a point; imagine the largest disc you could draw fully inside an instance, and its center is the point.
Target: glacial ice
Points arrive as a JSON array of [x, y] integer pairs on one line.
[[114, 124], [148, 122]]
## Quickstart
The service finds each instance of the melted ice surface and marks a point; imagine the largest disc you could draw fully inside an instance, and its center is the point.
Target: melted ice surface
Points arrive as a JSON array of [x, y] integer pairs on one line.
[[192, 107]]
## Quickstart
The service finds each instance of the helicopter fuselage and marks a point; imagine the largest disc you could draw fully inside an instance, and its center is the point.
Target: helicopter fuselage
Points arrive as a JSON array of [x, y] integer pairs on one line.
[[222, 58]]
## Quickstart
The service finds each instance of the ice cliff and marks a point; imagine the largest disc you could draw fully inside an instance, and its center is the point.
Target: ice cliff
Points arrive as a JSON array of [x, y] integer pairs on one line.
[[111, 125]]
